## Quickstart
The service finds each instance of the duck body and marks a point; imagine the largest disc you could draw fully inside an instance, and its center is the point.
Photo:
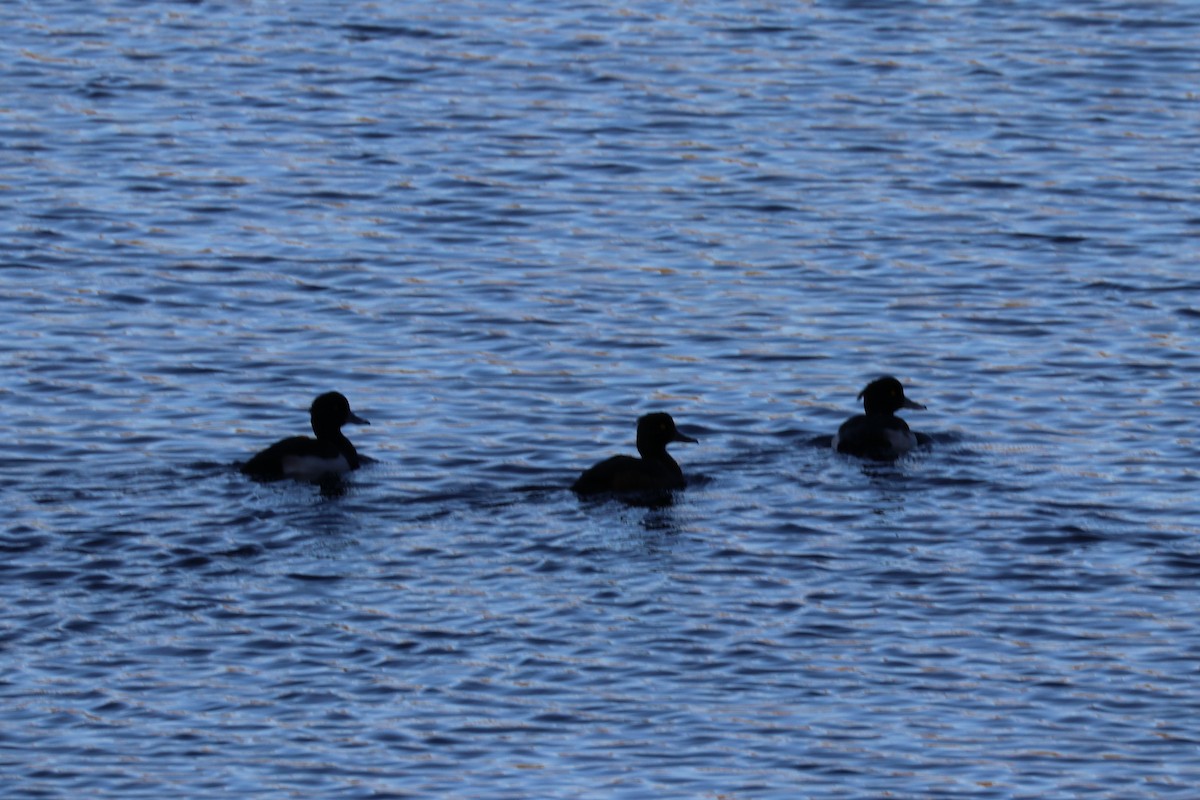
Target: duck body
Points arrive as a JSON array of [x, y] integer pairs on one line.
[[630, 474], [304, 458], [655, 471], [878, 434], [875, 437]]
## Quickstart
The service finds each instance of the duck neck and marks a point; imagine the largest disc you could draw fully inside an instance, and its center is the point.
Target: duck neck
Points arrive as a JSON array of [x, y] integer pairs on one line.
[[338, 439], [656, 453]]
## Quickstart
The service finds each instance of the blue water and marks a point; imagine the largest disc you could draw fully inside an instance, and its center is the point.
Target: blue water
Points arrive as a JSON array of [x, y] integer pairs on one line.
[[504, 230]]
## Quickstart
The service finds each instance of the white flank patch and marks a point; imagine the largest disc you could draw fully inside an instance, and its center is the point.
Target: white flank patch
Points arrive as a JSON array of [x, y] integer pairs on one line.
[[313, 467]]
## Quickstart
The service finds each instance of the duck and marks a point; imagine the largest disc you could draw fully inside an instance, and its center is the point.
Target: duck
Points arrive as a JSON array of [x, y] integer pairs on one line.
[[654, 471], [304, 458], [878, 434]]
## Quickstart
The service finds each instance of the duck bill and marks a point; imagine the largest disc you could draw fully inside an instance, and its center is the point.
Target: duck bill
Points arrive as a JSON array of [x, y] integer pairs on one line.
[[356, 419], [681, 437], [915, 406]]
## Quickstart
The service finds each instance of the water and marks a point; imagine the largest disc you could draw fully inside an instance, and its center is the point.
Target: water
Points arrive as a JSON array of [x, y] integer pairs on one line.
[[504, 231]]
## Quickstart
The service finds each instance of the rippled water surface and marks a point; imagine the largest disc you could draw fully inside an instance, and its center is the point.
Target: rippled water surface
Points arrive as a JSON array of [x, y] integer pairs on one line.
[[504, 230]]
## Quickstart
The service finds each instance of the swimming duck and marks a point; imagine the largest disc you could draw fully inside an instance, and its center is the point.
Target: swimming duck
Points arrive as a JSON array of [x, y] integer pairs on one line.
[[654, 471], [304, 458], [878, 434]]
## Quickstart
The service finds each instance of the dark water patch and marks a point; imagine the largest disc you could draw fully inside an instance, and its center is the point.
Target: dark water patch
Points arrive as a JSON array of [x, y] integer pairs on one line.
[[364, 32]]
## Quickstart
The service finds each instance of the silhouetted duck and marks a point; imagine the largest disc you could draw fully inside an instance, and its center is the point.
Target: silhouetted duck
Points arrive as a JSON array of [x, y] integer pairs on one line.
[[654, 471], [304, 458], [878, 434]]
